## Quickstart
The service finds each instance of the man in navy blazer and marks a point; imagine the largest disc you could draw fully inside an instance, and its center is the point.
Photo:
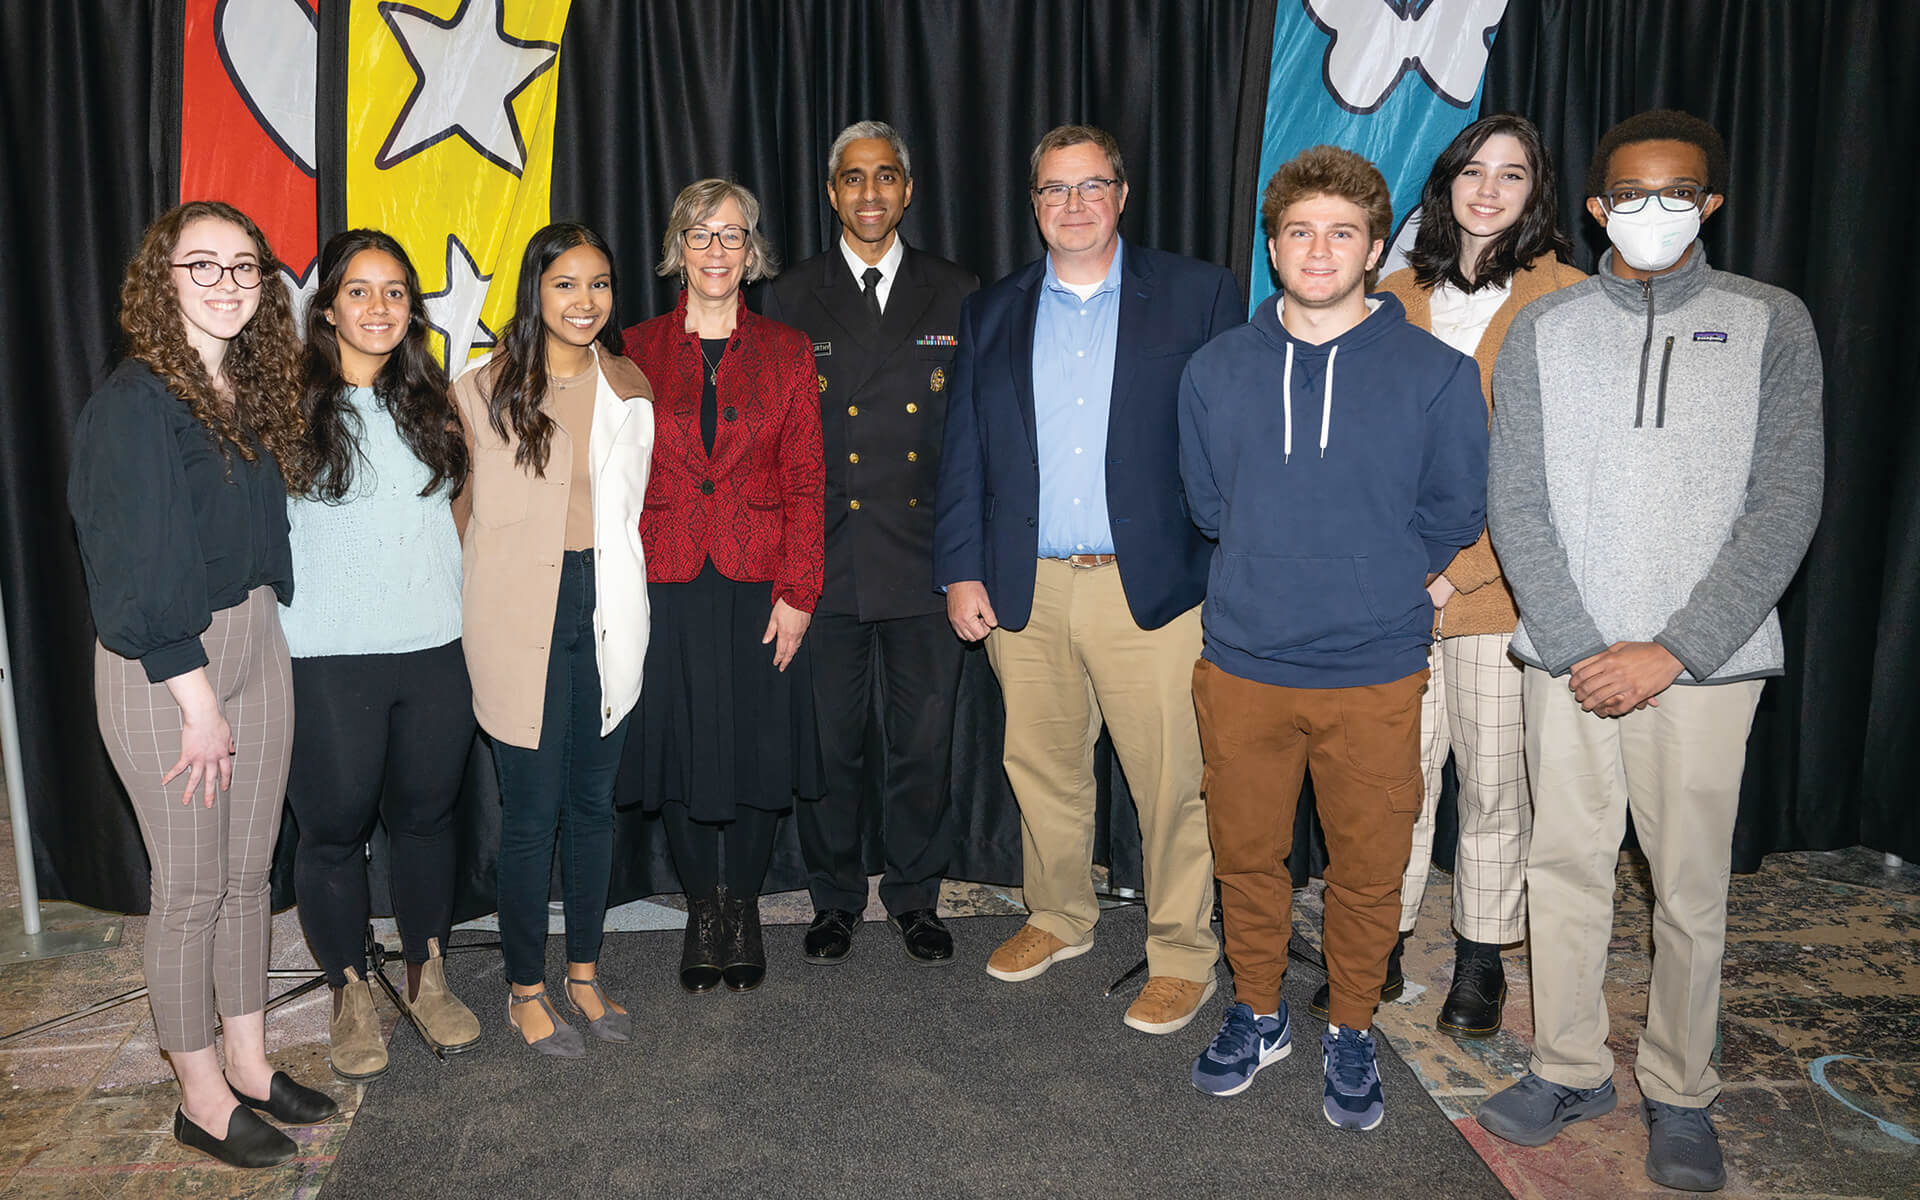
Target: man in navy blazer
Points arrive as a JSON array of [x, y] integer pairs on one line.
[[1062, 540]]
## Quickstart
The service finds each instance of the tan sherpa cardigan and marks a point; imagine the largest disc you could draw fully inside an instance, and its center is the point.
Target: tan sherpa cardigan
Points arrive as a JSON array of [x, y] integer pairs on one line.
[[1483, 603]]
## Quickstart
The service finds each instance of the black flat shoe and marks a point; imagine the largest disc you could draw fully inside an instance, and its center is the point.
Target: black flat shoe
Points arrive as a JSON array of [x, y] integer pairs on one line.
[[927, 941], [830, 937], [1472, 1010], [290, 1103], [250, 1142], [700, 951], [743, 954]]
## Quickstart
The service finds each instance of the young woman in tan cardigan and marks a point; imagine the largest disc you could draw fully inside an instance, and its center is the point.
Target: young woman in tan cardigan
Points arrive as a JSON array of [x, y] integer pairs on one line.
[[1488, 245]]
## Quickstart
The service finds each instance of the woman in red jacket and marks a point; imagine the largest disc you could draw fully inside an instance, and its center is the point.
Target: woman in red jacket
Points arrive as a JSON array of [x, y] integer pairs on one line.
[[732, 532]]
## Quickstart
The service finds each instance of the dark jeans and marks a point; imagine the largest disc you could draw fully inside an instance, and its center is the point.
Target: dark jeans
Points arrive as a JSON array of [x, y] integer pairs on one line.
[[379, 736], [566, 784]]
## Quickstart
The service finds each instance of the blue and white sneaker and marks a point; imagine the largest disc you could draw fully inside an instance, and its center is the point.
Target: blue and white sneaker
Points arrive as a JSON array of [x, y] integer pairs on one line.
[[1244, 1044], [1353, 1097]]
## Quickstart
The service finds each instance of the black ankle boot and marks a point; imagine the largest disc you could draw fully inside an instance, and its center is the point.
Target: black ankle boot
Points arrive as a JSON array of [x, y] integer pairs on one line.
[[700, 952], [1390, 988], [743, 955], [1479, 991]]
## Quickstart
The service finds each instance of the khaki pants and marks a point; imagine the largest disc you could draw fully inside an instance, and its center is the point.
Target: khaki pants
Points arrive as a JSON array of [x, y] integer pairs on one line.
[[1472, 708], [1677, 768], [1080, 661], [1362, 744]]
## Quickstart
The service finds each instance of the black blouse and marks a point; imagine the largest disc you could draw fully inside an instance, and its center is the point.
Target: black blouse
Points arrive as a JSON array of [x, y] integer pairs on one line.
[[171, 531]]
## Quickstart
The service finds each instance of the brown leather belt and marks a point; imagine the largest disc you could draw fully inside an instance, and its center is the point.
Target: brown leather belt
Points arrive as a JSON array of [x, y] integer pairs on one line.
[[1089, 560]]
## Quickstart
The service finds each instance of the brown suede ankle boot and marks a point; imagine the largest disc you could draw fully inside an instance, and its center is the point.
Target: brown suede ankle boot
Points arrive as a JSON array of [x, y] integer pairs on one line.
[[357, 1052], [448, 1022]]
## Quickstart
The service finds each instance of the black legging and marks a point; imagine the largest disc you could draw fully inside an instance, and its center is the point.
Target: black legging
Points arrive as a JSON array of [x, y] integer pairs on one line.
[[377, 736], [704, 854]]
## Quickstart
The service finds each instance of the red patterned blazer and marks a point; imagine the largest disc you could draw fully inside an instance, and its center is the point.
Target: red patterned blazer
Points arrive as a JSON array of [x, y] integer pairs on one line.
[[754, 505]]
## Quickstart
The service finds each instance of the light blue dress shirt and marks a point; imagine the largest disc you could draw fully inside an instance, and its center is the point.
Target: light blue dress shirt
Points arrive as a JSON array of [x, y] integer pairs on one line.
[[1073, 349], [378, 573]]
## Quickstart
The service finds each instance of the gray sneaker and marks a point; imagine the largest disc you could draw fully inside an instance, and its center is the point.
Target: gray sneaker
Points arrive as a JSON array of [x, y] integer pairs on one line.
[[1683, 1151], [1533, 1110]]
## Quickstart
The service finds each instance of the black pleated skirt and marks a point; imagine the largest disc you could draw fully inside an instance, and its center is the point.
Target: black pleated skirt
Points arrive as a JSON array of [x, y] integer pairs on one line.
[[717, 726]]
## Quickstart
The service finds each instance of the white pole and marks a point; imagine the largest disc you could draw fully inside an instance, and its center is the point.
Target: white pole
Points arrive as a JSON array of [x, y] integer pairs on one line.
[[15, 772]]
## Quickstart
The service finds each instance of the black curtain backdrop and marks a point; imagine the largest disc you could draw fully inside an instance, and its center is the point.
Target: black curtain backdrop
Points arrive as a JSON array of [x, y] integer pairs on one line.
[[1820, 108]]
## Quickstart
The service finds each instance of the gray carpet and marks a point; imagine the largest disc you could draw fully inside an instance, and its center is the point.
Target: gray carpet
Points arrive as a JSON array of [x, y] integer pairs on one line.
[[877, 1077]]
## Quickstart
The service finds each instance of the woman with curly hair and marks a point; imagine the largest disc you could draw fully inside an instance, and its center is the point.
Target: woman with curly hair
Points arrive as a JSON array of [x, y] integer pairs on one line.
[[181, 466], [386, 713], [560, 427]]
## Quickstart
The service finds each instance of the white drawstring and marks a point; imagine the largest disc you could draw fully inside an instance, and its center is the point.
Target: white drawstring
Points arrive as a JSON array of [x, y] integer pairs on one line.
[[1286, 403], [1326, 404]]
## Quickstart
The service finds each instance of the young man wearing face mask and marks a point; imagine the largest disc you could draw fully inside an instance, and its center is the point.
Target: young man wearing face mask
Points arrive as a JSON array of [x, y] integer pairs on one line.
[[1656, 477]]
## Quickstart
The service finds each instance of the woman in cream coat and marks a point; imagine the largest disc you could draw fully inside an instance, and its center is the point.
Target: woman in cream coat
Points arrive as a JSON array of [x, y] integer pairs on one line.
[[554, 609]]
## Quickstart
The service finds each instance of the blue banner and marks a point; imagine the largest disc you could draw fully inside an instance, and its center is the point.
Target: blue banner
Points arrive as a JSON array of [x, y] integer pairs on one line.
[[1393, 80]]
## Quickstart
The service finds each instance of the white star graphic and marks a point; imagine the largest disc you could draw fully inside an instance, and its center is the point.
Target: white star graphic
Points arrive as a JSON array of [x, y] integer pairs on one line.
[[467, 72], [454, 311]]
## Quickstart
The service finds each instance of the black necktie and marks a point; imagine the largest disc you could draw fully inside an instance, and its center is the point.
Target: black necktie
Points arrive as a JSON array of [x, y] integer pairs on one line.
[[872, 294]]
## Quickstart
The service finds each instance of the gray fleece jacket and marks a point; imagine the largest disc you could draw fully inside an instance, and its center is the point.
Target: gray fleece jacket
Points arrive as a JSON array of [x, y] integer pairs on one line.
[[1656, 467]]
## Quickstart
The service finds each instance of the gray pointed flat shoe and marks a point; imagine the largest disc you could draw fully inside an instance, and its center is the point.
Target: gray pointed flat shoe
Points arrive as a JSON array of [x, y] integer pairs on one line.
[[611, 1025], [564, 1042]]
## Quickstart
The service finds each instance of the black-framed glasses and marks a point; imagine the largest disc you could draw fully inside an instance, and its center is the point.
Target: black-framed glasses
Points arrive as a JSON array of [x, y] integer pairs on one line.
[[1678, 198], [699, 237], [207, 273], [1092, 191]]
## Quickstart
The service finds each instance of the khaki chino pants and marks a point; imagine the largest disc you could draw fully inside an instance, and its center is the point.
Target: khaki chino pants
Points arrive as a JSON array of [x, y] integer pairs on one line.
[[1677, 768], [1363, 746], [1081, 661]]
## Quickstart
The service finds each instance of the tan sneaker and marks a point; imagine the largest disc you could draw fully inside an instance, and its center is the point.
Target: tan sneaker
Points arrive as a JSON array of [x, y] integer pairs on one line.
[[1167, 1004], [355, 1050], [1029, 953], [448, 1022]]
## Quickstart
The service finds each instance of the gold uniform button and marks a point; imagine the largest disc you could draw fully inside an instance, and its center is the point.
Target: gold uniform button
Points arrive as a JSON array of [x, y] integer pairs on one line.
[[854, 504], [913, 456], [913, 408], [853, 410], [853, 458], [913, 503]]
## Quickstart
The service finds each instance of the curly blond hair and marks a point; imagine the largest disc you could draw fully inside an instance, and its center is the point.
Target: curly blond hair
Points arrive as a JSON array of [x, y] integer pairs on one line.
[[262, 364]]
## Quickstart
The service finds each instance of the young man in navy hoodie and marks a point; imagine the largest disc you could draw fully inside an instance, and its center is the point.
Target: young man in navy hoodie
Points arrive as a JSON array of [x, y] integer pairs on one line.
[[1338, 455]]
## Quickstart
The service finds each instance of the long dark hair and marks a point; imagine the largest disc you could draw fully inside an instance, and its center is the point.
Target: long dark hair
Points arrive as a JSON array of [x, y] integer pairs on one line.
[[1436, 247], [519, 366], [262, 364], [411, 386]]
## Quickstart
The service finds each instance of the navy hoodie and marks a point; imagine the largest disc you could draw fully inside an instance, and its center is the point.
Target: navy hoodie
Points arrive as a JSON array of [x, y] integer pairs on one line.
[[1333, 501]]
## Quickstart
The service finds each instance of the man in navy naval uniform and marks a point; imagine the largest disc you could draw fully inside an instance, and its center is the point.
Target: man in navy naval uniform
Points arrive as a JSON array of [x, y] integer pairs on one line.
[[1064, 543], [883, 318]]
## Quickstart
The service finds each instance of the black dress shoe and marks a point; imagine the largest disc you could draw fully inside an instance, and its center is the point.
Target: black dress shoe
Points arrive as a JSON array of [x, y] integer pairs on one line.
[[1390, 989], [250, 1142], [830, 937], [926, 939], [1473, 1004], [290, 1103], [743, 956], [700, 952]]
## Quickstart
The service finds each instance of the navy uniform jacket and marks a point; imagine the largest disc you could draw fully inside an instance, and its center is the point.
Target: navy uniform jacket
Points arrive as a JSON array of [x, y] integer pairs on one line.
[[883, 400], [989, 497]]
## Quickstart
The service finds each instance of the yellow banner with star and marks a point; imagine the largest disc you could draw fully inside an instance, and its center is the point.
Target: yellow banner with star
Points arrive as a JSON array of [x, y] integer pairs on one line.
[[450, 113]]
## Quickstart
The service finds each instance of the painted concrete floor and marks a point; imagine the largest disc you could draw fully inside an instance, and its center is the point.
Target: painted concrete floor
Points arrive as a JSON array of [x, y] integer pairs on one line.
[[1820, 1046]]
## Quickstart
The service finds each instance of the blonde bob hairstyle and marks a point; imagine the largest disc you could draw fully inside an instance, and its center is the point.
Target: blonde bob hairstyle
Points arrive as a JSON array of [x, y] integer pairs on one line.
[[696, 203]]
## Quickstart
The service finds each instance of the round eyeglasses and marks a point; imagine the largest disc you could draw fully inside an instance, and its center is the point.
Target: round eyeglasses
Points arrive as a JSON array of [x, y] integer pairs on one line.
[[699, 237], [207, 273]]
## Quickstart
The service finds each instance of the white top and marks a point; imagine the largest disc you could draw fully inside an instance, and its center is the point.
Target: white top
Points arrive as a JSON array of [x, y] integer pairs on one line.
[[1461, 318], [379, 572], [889, 265]]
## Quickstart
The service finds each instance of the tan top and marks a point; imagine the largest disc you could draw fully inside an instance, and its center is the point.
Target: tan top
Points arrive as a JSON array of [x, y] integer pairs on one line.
[[570, 402], [1483, 603]]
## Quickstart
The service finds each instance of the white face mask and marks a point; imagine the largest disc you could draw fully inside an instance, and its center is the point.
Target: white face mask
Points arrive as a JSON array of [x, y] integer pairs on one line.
[[1653, 239]]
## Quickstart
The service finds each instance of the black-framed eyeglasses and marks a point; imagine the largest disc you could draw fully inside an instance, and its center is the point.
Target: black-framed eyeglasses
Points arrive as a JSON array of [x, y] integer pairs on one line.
[[207, 273], [1678, 198], [1092, 191], [699, 237]]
